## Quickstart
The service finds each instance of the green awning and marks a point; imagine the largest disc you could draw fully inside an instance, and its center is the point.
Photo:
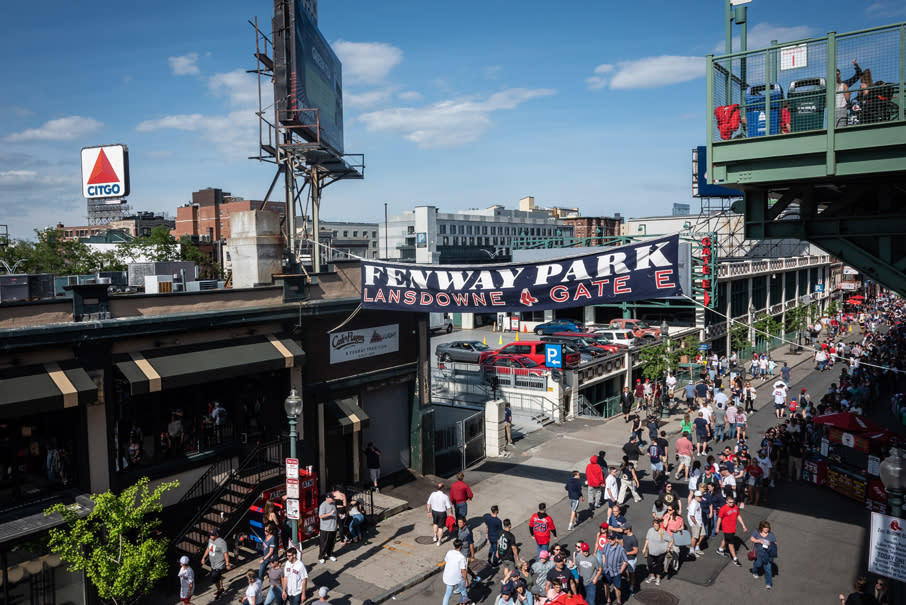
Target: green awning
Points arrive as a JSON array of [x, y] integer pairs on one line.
[[44, 388], [349, 416], [171, 368]]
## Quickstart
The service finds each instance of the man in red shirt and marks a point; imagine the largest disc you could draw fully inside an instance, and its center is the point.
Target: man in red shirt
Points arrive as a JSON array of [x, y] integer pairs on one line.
[[541, 526], [729, 515], [460, 495], [594, 476]]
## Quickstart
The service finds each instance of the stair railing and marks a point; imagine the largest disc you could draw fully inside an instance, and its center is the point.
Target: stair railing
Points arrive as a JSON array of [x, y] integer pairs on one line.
[[266, 456]]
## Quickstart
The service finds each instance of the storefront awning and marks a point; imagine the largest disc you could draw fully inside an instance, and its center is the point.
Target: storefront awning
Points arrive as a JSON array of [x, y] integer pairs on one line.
[[158, 370], [348, 415], [44, 388]]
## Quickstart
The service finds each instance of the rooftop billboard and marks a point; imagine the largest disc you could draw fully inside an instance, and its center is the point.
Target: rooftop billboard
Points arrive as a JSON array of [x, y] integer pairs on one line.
[[308, 76], [105, 171]]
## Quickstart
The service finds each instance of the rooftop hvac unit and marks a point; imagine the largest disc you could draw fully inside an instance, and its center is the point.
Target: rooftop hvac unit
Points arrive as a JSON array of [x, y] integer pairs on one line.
[[204, 284]]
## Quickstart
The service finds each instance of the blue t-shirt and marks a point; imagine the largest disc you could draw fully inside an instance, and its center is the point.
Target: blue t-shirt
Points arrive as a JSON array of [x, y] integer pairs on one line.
[[701, 426], [495, 527], [655, 453], [507, 415], [690, 391], [701, 389]]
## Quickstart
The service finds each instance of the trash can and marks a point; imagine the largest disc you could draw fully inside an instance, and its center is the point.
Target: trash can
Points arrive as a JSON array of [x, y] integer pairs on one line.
[[756, 119], [807, 98]]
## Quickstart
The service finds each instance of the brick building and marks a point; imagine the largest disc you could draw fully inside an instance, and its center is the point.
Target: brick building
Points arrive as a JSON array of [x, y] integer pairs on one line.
[[594, 226], [208, 216]]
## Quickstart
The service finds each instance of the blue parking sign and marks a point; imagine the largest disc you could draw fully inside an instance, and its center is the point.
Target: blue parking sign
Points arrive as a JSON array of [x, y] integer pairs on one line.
[[553, 356]]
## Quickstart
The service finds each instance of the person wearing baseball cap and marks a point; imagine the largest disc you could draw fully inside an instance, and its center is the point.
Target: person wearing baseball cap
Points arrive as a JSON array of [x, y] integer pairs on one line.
[[322, 595], [589, 570], [218, 558], [186, 580], [696, 523], [539, 570]]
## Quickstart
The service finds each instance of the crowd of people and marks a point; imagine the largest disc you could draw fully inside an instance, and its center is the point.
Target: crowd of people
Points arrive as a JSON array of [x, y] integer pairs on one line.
[[721, 463]]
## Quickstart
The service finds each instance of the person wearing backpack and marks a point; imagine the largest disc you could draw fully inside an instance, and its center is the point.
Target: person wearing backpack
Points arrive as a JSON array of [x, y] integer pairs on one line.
[[656, 457]]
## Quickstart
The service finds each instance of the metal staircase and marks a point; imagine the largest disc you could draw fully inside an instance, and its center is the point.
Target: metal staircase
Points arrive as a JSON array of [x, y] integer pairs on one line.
[[231, 489]]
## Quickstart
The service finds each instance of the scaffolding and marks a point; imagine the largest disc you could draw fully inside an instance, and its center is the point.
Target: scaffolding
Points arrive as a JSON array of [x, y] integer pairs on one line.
[[307, 164]]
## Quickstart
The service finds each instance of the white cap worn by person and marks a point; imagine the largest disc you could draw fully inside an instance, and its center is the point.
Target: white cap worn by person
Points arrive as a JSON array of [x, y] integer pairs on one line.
[[322, 592], [184, 560]]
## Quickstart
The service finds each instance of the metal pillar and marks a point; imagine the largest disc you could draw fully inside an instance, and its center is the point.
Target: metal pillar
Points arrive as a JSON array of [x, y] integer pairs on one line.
[[294, 523], [729, 314], [315, 220], [289, 183]]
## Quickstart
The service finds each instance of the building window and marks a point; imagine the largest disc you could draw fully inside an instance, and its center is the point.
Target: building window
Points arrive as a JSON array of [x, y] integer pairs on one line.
[[445, 241], [346, 233], [374, 234], [471, 241], [455, 240], [469, 229], [484, 230], [355, 234], [442, 228], [335, 234], [493, 230]]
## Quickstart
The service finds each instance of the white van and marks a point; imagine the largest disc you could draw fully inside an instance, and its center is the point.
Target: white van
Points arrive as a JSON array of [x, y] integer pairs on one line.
[[440, 321]]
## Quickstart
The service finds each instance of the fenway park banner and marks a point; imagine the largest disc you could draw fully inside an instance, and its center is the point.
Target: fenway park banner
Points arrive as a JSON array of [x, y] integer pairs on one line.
[[624, 273]]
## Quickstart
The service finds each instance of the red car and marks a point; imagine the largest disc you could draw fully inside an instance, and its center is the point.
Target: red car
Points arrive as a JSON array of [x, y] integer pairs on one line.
[[590, 340], [534, 349], [519, 365]]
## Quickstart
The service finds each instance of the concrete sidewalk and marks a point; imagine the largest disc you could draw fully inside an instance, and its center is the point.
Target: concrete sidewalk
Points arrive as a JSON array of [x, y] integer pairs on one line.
[[399, 553]]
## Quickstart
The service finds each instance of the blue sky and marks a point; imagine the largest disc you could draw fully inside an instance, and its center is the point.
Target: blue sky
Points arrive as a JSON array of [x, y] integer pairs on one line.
[[457, 104]]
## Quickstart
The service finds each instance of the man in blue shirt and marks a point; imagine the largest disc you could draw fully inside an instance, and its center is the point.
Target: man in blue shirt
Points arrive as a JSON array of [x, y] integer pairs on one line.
[[690, 394], [495, 527], [574, 494], [615, 563], [616, 521]]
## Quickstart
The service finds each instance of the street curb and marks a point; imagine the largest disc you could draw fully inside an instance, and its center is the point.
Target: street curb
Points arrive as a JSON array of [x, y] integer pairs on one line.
[[392, 592]]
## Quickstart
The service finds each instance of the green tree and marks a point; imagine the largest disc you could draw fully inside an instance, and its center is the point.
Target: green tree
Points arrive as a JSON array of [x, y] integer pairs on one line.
[[51, 253], [656, 360], [159, 246], [832, 308], [115, 545], [739, 337]]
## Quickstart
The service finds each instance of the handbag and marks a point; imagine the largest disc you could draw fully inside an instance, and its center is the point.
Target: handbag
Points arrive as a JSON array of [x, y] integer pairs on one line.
[[752, 555]]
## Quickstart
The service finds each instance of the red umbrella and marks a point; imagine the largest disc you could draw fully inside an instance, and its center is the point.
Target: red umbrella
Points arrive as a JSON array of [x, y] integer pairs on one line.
[[849, 422], [885, 436], [859, 296], [853, 301]]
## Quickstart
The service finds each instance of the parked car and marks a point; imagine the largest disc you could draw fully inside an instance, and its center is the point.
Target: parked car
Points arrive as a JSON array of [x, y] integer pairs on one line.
[[468, 351], [440, 321], [520, 365], [640, 329], [592, 340], [620, 337], [535, 350], [558, 325], [586, 347]]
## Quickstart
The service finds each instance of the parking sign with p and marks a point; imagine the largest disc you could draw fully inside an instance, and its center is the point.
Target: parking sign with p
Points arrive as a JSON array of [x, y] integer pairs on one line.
[[553, 355]]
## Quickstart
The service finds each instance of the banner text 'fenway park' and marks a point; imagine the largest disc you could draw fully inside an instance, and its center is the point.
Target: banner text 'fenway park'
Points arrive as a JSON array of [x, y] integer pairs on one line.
[[624, 273]]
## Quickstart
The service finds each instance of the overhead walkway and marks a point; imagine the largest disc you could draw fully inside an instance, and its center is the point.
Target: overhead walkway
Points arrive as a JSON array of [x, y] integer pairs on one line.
[[816, 164]]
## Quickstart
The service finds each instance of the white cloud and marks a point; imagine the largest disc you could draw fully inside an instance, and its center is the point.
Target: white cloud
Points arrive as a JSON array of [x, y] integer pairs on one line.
[[239, 87], [177, 122], [410, 95], [60, 129], [648, 72], [235, 133], [368, 99], [760, 36], [15, 180], [186, 65], [367, 62], [881, 10], [599, 80], [448, 123]]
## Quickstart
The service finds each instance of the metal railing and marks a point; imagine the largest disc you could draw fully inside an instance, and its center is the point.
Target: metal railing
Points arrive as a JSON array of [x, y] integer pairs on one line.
[[795, 87], [264, 462]]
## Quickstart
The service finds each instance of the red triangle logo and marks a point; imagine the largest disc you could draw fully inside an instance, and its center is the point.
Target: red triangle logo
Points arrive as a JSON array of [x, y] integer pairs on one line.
[[102, 172]]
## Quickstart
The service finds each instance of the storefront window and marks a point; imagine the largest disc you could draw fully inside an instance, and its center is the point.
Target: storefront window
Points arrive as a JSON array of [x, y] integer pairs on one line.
[[38, 576], [37, 456], [190, 422]]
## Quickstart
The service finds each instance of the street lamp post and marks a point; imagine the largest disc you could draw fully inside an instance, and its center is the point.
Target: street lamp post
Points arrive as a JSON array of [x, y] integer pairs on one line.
[[292, 405], [893, 476]]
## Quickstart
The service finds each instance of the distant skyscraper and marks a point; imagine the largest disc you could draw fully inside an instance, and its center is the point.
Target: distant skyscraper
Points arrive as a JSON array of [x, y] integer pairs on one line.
[[312, 7], [680, 209]]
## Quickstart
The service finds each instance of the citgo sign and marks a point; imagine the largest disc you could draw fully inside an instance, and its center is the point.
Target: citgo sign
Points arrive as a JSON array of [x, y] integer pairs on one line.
[[105, 171]]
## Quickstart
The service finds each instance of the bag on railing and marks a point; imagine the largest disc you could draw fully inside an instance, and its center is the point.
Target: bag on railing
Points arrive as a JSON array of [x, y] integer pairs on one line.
[[727, 120]]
